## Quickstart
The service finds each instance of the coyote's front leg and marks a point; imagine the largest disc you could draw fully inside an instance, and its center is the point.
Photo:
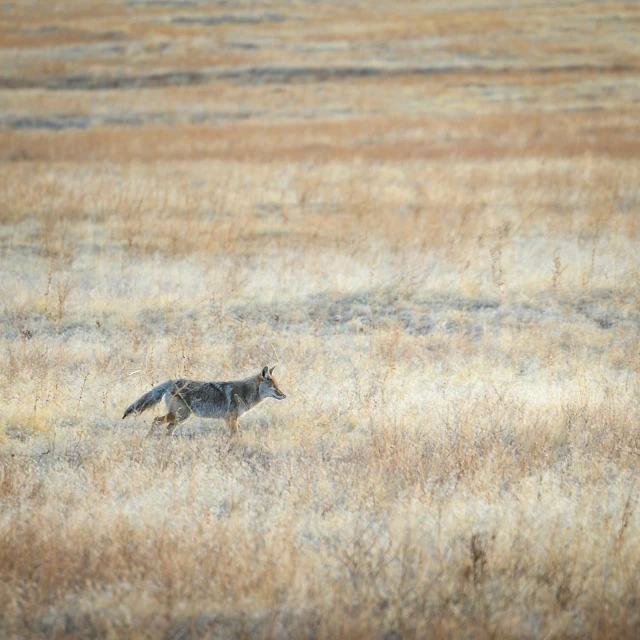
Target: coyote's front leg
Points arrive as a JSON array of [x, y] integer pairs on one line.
[[232, 423]]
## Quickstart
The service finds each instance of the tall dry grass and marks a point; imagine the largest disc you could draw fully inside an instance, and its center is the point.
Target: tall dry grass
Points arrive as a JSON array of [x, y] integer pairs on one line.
[[458, 450]]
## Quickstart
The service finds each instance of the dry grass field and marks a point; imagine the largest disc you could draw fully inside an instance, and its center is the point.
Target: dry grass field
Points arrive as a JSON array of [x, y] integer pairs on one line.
[[427, 215]]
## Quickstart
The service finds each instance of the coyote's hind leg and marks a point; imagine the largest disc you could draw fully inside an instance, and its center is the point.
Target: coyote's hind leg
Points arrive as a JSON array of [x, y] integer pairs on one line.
[[169, 418], [172, 426], [180, 412]]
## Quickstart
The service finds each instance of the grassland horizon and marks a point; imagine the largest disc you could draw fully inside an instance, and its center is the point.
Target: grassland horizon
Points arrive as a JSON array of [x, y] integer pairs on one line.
[[427, 216]]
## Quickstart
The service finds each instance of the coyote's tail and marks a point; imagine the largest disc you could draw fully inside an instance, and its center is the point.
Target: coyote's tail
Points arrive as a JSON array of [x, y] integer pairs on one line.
[[149, 399]]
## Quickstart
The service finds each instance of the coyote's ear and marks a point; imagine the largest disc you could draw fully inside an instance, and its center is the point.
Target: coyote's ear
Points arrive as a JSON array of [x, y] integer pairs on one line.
[[265, 372], [271, 370]]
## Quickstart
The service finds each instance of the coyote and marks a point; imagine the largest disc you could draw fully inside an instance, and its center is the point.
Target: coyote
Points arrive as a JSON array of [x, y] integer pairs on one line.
[[228, 400]]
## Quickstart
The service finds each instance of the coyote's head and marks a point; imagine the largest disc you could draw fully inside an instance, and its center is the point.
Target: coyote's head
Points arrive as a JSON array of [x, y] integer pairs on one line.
[[267, 386]]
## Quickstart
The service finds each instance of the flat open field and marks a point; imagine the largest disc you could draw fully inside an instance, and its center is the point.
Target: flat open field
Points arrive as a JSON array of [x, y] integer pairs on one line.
[[426, 215]]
